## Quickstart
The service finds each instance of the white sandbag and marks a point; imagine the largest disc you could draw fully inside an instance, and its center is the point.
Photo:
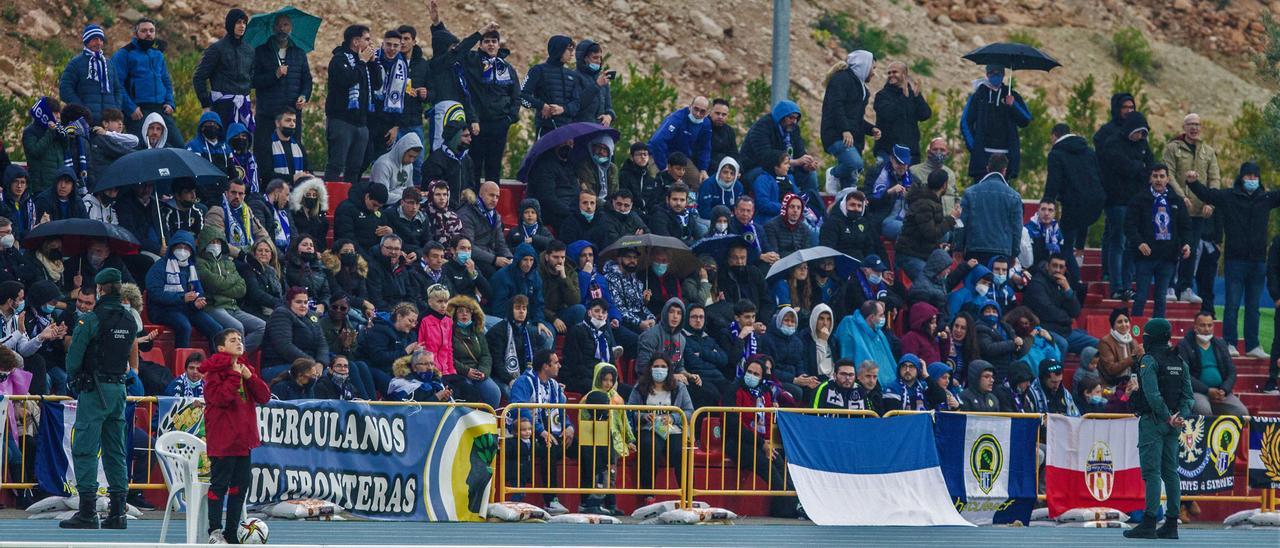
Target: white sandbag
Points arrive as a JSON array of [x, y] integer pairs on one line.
[[52, 514], [1043, 524], [48, 504], [1245, 525], [304, 508], [697, 515], [1102, 524], [656, 509], [103, 505], [592, 519], [1265, 519], [1097, 513], [516, 511], [1040, 514], [1239, 517]]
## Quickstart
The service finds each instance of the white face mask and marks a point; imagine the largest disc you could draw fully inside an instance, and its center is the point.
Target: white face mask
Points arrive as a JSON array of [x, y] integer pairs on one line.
[[215, 249], [982, 289], [182, 254], [720, 227], [1204, 338], [597, 323], [6, 242]]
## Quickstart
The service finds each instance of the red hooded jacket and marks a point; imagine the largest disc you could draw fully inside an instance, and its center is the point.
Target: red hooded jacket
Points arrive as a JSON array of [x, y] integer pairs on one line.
[[230, 418]]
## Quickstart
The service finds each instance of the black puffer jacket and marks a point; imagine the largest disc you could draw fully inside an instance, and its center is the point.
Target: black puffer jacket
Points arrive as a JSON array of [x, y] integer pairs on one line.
[[595, 100], [446, 71], [1113, 125], [552, 83], [1074, 180], [289, 337], [346, 70], [844, 108], [226, 66], [1125, 163], [925, 223], [553, 183], [898, 118], [309, 275], [275, 93], [1249, 214]]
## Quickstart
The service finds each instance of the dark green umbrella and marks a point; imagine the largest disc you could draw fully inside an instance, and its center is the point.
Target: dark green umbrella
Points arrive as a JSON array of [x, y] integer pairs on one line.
[[262, 26]]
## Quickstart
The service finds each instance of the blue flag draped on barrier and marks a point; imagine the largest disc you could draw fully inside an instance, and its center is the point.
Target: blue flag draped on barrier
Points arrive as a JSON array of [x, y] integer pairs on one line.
[[990, 465], [867, 472], [55, 473]]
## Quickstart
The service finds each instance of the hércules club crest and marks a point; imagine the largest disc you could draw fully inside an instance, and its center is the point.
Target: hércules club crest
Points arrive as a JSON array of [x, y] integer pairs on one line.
[[1100, 471], [986, 460]]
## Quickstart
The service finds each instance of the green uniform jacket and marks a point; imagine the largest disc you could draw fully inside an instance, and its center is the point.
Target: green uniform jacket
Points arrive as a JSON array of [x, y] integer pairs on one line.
[[1147, 379]]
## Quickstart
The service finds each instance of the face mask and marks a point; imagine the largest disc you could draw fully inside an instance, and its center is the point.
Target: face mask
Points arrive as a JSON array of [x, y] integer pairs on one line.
[[787, 330], [1097, 400], [601, 160], [659, 374], [875, 279], [996, 80], [598, 324], [310, 203], [937, 158], [309, 255], [695, 119], [287, 132], [21, 306], [1251, 185], [1204, 338], [726, 185], [462, 257], [97, 260], [215, 250], [588, 216], [982, 289], [240, 146], [992, 319], [181, 254], [54, 254], [563, 152], [880, 323], [594, 67], [425, 376], [340, 379], [659, 268], [48, 309], [347, 259], [1000, 278], [722, 227], [7, 241], [750, 380], [209, 132], [463, 324]]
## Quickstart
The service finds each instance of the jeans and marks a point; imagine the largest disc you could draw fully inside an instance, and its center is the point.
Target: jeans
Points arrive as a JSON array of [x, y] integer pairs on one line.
[[487, 149], [1187, 267], [134, 127], [489, 392], [346, 143], [252, 327], [1162, 272], [422, 157], [1075, 341], [848, 163], [1070, 237], [181, 321], [1115, 261], [1244, 279]]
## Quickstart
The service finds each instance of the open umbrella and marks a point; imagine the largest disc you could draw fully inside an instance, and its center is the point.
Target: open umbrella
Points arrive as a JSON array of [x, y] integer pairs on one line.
[[160, 166], [718, 247], [77, 234], [683, 262], [578, 131], [1013, 56], [262, 26], [845, 265]]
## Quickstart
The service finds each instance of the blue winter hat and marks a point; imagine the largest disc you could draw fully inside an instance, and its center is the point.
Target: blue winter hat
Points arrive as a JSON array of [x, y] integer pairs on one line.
[[90, 31], [902, 154]]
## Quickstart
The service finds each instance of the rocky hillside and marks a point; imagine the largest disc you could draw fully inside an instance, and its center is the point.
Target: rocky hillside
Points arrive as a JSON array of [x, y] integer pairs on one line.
[[1203, 53]]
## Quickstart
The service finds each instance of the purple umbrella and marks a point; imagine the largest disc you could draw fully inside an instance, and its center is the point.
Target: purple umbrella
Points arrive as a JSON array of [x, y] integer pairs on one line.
[[580, 132]]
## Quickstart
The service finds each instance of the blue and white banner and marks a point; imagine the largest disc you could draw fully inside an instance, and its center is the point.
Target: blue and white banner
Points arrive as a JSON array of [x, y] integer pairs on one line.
[[55, 472], [990, 465], [867, 472], [392, 462]]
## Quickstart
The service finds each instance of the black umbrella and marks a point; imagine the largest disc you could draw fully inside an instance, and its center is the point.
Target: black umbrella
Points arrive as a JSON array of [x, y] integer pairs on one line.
[[158, 165], [683, 262], [77, 234], [1012, 56]]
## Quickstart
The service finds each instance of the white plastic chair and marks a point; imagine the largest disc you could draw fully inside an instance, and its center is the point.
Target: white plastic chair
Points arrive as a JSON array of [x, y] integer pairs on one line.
[[179, 454]]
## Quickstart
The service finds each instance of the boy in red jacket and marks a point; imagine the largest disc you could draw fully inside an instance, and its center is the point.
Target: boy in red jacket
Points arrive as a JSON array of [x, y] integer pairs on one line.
[[231, 392]]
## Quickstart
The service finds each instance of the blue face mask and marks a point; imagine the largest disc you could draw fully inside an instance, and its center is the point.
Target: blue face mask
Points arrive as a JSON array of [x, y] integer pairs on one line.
[[595, 67], [1251, 185], [880, 323], [463, 324], [21, 306], [48, 308], [750, 380], [601, 160], [875, 279], [991, 319], [996, 80], [1097, 400], [462, 257], [788, 330], [659, 374], [588, 216], [1000, 278], [660, 269]]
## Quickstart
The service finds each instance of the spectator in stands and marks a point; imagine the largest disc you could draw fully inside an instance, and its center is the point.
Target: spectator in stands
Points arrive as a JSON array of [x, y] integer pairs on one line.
[[145, 86], [563, 300], [236, 219], [483, 226], [281, 153], [1005, 285], [1190, 159], [941, 394], [551, 90], [1157, 231], [530, 229], [1074, 181], [744, 224], [743, 337], [443, 224], [417, 379], [888, 185], [435, 331], [43, 310], [1046, 236], [390, 337], [847, 230], [16, 204], [100, 206], [522, 278], [666, 338], [978, 396], [769, 186], [991, 212], [386, 107], [687, 131], [724, 138], [674, 218], [353, 76], [1248, 207], [224, 288], [512, 343], [619, 220], [935, 159], [57, 202], [998, 344], [790, 231], [495, 88], [46, 263], [394, 169], [348, 274], [224, 76], [1213, 374], [861, 336], [1039, 341], [751, 439], [907, 392], [303, 269], [660, 283], [843, 391], [900, 107], [738, 280], [553, 433], [109, 143], [1119, 349], [462, 275], [89, 79], [871, 281], [450, 141], [1049, 394], [337, 383], [793, 288], [992, 116], [14, 337], [1051, 297], [613, 439], [596, 103], [1014, 393], [719, 221], [639, 174], [787, 348], [1126, 163], [342, 336], [155, 134], [722, 189], [175, 295], [677, 167], [779, 130], [925, 225], [596, 171], [308, 204], [923, 339], [589, 342], [660, 432], [360, 217], [628, 292], [1088, 368], [191, 383], [844, 109], [44, 144], [704, 357], [264, 283], [702, 287], [281, 78], [210, 143], [240, 149], [298, 382], [819, 347], [471, 357], [584, 221], [1090, 396], [183, 212], [931, 285], [293, 331], [553, 182], [592, 283], [272, 208]]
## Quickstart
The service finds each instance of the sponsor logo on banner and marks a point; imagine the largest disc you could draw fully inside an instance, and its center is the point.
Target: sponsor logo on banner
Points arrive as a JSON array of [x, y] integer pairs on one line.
[[1099, 471], [986, 459], [1206, 453]]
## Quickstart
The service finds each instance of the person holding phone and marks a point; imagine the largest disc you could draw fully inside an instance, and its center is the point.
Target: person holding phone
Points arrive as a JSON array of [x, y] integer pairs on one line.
[[597, 99]]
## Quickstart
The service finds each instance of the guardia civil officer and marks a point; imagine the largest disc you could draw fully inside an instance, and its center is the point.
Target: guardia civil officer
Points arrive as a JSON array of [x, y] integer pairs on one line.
[[102, 347], [1165, 385]]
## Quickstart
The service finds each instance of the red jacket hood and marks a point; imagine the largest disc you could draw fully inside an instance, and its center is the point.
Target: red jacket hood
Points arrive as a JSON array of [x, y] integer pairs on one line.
[[217, 362]]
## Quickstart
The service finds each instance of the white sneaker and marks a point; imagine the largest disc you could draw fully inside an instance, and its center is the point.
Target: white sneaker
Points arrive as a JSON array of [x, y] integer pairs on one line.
[[832, 183], [1231, 349], [216, 537], [1259, 353], [1189, 296], [1170, 295], [555, 508]]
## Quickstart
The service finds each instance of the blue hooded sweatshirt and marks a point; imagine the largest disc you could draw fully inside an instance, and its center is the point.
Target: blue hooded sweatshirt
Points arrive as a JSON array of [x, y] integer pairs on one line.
[[218, 153], [592, 284], [168, 279], [510, 281], [967, 294], [712, 194], [860, 342], [679, 133]]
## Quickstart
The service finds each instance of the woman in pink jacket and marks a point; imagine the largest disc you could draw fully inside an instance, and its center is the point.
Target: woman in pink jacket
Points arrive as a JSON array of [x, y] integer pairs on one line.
[[435, 333]]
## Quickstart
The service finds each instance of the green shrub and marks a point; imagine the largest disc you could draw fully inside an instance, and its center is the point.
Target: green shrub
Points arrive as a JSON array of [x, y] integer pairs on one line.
[[1131, 50], [1082, 110], [1024, 37], [922, 66], [519, 139], [13, 117], [1270, 56], [854, 36], [1034, 145], [757, 103], [642, 101]]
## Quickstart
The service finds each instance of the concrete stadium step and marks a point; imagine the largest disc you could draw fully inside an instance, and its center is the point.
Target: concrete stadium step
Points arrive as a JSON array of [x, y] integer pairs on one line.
[[1173, 309], [1258, 402]]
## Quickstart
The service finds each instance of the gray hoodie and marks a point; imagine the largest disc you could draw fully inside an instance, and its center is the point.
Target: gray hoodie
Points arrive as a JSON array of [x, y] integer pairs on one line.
[[662, 338], [389, 170]]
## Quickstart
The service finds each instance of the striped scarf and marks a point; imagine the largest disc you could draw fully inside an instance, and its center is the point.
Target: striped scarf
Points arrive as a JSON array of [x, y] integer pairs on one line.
[[76, 156], [98, 70], [353, 92], [395, 79], [239, 231], [282, 163], [173, 276]]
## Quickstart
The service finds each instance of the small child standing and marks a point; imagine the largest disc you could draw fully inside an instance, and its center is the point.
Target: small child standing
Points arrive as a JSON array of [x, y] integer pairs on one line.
[[519, 465], [605, 437], [231, 392]]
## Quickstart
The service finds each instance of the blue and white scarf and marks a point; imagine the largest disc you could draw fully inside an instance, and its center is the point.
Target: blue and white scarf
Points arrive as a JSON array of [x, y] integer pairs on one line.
[[249, 164], [243, 111], [495, 70], [282, 163], [1160, 215], [284, 232], [603, 352], [530, 230], [511, 359], [750, 346], [489, 214], [395, 79], [239, 230], [1052, 234], [353, 92], [76, 156], [42, 113], [98, 70], [173, 276], [751, 235]]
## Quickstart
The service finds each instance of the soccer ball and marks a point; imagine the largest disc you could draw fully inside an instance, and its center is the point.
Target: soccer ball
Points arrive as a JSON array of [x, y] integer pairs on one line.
[[252, 531]]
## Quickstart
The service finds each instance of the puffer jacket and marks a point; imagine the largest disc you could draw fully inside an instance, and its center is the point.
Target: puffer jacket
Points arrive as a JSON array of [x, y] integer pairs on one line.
[[222, 283], [853, 235], [290, 336], [381, 345], [470, 348], [919, 340], [75, 87], [347, 70], [787, 350], [1074, 180], [987, 123], [925, 223], [786, 241], [158, 299], [497, 99], [144, 74], [595, 100], [1125, 163], [680, 134], [46, 150], [310, 275], [1249, 214], [765, 137], [552, 83], [510, 281], [275, 93], [446, 73], [226, 66], [487, 241], [844, 108]]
